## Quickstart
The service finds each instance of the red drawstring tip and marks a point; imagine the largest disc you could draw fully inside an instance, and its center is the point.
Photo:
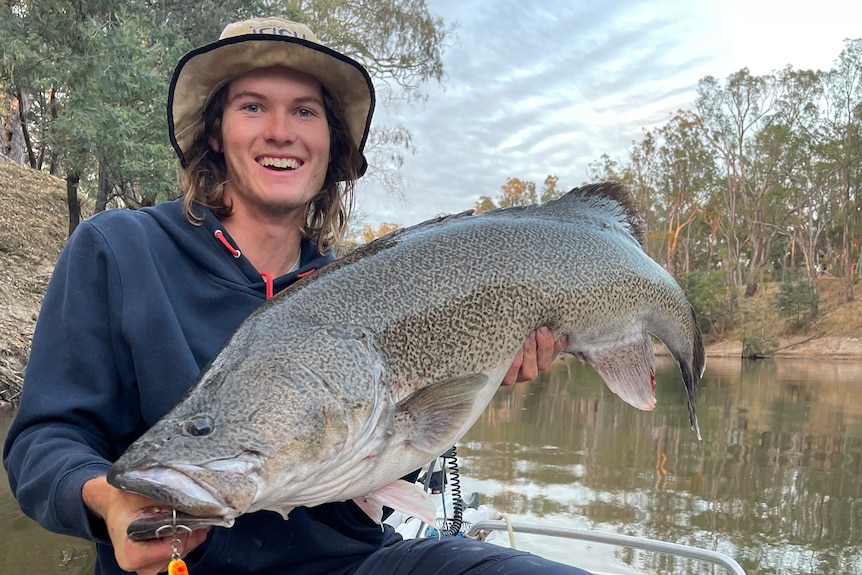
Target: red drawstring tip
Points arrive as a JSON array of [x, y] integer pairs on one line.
[[267, 279]]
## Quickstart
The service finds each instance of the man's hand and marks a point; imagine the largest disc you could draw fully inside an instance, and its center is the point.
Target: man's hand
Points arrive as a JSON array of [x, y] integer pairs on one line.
[[118, 509], [536, 355]]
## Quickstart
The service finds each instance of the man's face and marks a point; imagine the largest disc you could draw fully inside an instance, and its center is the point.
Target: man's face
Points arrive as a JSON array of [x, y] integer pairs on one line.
[[275, 139]]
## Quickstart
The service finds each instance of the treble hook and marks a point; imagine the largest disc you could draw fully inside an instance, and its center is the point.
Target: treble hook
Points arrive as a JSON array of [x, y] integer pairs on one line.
[[176, 566], [172, 528]]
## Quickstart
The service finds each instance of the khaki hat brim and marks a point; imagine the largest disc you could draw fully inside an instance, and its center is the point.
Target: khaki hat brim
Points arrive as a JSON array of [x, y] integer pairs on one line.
[[201, 72]]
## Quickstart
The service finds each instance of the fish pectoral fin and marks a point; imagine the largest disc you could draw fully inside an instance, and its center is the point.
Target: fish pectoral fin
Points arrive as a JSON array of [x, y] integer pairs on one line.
[[628, 371], [400, 495], [431, 417]]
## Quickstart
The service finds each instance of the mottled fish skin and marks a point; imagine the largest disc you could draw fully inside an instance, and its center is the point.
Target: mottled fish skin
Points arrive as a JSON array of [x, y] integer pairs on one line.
[[366, 370]]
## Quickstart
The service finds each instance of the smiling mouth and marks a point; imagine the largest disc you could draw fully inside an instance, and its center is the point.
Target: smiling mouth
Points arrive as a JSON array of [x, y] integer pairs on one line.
[[279, 163]]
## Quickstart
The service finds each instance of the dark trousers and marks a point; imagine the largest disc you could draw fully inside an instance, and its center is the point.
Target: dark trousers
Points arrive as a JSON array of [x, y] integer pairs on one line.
[[457, 556]]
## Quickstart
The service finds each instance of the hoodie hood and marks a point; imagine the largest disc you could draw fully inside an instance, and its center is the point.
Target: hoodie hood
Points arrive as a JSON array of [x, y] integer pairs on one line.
[[209, 245]]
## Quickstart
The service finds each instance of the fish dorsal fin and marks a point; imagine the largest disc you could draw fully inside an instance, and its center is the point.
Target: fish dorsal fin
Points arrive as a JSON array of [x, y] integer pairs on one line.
[[431, 417], [614, 199], [400, 495], [606, 202], [628, 370]]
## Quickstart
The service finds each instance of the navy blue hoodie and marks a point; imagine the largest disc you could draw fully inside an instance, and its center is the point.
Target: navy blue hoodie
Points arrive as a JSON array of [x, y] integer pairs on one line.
[[139, 302]]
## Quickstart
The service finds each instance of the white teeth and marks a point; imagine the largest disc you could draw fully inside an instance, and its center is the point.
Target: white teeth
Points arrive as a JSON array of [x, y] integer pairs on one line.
[[288, 163]]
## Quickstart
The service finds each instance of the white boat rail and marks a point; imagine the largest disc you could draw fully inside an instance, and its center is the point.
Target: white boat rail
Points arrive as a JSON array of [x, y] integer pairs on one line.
[[696, 553]]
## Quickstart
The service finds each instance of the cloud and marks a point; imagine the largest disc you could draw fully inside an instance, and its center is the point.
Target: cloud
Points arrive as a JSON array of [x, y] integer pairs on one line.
[[548, 86]]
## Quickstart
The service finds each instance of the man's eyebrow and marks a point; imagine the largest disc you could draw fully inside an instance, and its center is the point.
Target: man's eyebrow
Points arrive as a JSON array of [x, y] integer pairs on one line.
[[246, 94], [258, 96]]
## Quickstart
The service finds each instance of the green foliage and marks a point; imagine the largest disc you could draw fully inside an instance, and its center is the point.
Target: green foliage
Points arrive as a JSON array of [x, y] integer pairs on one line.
[[516, 192], [484, 204], [550, 191], [797, 298], [756, 345], [712, 298], [97, 73]]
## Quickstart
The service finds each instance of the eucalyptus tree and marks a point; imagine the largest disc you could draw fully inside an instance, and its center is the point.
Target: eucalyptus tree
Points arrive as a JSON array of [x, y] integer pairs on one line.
[[778, 153], [843, 149], [805, 207], [730, 116], [685, 178], [639, 173], [30, 73], [550, 191], [59, 32], [104, 68]]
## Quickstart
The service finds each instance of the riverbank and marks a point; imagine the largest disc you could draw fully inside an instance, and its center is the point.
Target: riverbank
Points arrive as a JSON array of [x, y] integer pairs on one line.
[[33, 229], [798, 347]]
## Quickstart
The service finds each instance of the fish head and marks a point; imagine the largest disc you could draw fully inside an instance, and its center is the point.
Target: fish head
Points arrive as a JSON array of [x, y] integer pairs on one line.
[[257, 430]]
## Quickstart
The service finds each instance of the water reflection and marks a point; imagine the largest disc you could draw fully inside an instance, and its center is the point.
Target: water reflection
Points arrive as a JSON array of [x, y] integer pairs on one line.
[[27, 548], [776, 481]]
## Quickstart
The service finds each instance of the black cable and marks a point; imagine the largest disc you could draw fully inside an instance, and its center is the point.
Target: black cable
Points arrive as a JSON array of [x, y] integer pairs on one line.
[[453, 526]]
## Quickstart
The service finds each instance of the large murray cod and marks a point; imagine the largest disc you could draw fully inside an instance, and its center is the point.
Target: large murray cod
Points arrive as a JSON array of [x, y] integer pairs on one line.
[[381, 361]]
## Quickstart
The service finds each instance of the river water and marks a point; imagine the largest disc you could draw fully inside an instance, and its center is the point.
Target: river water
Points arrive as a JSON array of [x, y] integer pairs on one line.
[[776, 482]]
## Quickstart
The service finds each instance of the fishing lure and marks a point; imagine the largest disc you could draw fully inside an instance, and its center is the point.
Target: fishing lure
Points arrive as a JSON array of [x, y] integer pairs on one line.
[[176, 566]]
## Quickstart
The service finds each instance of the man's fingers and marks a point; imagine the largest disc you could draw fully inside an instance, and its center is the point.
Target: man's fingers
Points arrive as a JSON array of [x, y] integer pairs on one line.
[[545, 349], [529, 366], [537, 355], [512, 375]]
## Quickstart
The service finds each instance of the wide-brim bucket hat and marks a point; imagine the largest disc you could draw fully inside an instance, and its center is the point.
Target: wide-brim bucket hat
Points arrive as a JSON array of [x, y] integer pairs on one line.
[[263, 43]]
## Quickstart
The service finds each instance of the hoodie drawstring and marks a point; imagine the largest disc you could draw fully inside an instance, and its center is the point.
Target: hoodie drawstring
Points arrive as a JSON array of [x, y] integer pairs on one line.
[[267, 278], [235, 252]]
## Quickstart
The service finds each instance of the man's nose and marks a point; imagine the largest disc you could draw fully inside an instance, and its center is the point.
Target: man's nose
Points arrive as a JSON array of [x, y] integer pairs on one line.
[[281, 128]]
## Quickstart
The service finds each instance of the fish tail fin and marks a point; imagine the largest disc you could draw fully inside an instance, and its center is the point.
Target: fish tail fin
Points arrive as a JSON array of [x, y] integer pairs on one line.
[[691, 374], [690, 355]]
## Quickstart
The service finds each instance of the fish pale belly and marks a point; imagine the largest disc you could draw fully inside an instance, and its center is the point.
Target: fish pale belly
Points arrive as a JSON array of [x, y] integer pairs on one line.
[[425, 424]]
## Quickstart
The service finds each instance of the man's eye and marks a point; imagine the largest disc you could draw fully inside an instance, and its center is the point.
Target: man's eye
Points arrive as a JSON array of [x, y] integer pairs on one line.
[[253, 108], [305, 112]]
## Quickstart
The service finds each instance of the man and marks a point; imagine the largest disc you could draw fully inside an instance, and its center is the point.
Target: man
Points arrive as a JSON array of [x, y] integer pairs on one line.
[[269, 127]]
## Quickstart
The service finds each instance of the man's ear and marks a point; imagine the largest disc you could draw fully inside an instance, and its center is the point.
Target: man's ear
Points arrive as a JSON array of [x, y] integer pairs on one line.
[[214, 144]]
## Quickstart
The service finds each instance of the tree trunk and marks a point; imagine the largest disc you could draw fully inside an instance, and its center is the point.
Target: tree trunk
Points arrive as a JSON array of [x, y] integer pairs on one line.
[[104, 188], [52, 106], [22, 115], [12, 136], [72, 180], [753, 276], [848, 265]]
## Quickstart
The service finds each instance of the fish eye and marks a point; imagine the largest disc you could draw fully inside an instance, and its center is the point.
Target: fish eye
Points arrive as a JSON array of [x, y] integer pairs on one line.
[[200, 426]]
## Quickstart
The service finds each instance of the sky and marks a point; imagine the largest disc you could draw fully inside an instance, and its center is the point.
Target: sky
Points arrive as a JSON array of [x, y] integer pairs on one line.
[[545, 87]]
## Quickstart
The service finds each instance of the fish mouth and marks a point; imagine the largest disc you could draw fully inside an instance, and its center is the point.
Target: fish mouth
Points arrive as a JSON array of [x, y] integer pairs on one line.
[[218, 491], [174, 488]]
